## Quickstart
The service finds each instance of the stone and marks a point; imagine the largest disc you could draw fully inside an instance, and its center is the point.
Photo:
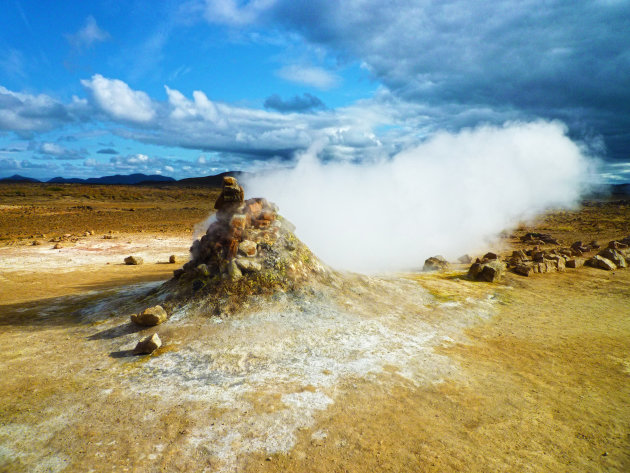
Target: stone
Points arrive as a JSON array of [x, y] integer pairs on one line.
[[37, 243], [150, 317], [518, 255], [202, 270], [238, 221], [435, 263], [490, 256], [57, 246], [148, 345], [524, 269], [465, 259], [575, 263], [617, 245], [490, 271], [601, 263], [234, 271], [615, 256], [538, 256], [594, 245], [535, 237], [133, 260], [247, 247], [172, 259], [248, 265]]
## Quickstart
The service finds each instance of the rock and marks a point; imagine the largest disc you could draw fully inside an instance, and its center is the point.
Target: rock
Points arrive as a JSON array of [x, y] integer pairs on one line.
[[617, 245], [108, 237], [57, 246], [148, 345], [538, 256], [524, 269], [133, 260], [36, 243], [594, 245], [465, 259], [247, 247], [489, 272], [490, 256], [544, 237], [518, 255], [178, 273], [238, 221], [172, 259], [615, 256], [435, 263], [202, 270], [575, 263], [149, 317], [601, 263], [234, 271], [248, 265]]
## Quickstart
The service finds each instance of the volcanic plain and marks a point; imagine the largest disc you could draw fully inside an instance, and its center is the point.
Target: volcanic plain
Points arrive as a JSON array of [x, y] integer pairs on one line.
[[401, 372]]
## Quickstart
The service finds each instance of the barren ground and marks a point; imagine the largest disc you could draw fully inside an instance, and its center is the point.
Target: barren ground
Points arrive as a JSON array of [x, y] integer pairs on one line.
[[413, 372]]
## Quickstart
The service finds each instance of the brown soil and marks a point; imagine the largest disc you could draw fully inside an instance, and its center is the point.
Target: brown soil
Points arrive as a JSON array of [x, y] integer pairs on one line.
[[542, 385], [29, 210]]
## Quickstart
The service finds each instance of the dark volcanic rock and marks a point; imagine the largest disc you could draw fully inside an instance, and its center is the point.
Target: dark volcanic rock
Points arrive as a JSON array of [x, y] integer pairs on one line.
[[435, 263], [489, 272]]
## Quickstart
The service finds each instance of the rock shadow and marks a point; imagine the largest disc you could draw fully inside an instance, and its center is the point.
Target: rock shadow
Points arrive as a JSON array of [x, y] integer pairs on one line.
[[115, 332]]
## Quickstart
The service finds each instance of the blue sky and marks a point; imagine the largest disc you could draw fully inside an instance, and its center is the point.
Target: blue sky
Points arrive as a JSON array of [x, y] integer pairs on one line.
[[199, 87]]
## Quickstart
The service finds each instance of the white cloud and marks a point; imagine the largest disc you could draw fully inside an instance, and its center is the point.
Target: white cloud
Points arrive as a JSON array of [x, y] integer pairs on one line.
[[118, 100], [309, 75], [89, 34], [235, 13]]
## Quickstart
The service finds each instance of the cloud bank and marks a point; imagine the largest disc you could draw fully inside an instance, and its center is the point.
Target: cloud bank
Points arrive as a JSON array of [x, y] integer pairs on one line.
[[448, 195]]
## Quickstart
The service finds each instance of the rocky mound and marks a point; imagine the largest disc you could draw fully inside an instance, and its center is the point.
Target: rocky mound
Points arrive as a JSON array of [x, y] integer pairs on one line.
[[247, 249]]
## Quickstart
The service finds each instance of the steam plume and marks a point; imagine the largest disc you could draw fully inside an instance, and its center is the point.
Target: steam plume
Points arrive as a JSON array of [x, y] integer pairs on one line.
[[448, 195]]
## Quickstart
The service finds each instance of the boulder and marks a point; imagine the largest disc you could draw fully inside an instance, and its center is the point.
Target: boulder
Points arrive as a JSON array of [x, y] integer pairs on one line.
[[524, 269], [57, 246], [233, 270], [601, 263], [247, 247], [133, 260], [149, 317], [435, 263], [617, 245], [490, 256], [172, 259], [535, 237], [490, 271], [202, 270], [148, 345], [615, 256], [465, 259], [518, 255], [248, 265], [575, 263]]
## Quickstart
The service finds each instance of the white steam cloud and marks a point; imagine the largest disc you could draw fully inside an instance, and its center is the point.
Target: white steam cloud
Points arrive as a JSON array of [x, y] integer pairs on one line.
[[450, 195]]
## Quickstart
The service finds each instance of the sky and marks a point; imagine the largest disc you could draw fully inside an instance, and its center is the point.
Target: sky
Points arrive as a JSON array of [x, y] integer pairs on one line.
[[195, 88]]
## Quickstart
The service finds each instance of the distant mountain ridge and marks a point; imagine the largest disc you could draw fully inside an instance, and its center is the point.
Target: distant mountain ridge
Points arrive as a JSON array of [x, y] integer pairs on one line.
[[115, 179]]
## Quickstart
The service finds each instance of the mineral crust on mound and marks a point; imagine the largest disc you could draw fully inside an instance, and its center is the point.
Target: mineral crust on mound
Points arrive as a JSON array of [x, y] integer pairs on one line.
[[248, 249]]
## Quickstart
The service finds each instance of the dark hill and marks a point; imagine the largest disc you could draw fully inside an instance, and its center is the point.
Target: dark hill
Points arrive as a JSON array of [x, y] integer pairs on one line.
[[18, 178]]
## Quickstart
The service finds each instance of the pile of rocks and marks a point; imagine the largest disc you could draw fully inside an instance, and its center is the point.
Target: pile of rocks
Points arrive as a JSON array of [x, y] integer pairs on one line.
[[247, 246], [538, 260]]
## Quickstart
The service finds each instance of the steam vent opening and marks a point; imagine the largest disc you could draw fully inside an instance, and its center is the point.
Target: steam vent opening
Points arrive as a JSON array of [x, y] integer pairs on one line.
[[247, 249]]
